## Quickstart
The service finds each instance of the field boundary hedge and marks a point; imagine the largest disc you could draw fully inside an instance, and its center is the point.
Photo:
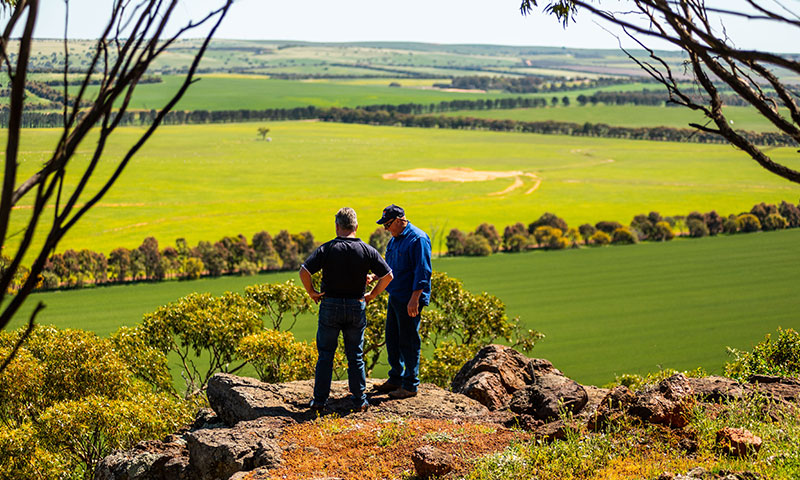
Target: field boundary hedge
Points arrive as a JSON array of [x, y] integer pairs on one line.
[[284, 252], [417, 115]]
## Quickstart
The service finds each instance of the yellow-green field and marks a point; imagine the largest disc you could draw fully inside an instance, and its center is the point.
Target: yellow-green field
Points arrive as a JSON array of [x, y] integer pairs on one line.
[[202, 182]]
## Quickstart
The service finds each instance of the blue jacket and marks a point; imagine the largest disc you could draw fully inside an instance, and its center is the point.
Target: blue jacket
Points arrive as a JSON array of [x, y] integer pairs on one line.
[[409, 257]]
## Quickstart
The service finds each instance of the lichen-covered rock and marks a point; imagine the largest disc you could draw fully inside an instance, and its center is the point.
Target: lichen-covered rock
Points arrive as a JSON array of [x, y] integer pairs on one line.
[[780, 388], [549, 394], [430, 461], [666, 403], [218, 453], [151, 460], [716, 389]]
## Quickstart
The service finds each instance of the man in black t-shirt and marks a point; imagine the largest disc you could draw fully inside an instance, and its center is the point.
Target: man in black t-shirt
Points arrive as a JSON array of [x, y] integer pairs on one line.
[[345, 262]]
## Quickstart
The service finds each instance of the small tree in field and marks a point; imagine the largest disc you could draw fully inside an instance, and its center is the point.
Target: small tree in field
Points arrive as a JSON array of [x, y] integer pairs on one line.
[[262, 132]]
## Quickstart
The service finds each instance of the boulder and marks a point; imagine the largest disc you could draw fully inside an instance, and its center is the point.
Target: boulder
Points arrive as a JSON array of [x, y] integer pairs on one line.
[[235, 399], [218, 453], [666, 403], [495, 373], [430, 461], [150, 460], [548, 394], [716, 389], [611, 407], [738, 442]]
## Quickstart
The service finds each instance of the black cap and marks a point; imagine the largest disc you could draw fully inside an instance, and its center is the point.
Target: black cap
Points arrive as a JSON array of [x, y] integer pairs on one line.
[[390, 213]]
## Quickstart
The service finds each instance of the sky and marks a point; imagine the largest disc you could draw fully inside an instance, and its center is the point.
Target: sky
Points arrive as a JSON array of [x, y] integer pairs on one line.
[[496, 22]]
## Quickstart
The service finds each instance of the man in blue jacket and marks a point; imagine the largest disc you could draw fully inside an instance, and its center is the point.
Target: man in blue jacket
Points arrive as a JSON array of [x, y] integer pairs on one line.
[[409, 256]]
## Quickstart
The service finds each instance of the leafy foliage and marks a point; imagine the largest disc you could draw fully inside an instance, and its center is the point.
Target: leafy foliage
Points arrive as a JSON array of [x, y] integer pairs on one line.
[[277, 357], [69, 397], [780, 356], [202, 324], [279, 299]]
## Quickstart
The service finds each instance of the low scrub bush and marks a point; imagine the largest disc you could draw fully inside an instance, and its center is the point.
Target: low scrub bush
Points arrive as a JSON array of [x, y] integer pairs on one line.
[[779, 356]]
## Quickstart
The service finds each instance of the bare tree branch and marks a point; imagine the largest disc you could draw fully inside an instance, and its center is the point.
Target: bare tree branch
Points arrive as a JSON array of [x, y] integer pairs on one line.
[[137, 33], [713, 59]]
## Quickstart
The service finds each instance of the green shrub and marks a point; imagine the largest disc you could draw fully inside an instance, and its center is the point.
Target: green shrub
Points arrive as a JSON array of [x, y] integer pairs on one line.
[[697, 228], [201, 324], [455, 242], [446, 360], [623, 236], [662, 232], [729, 225], [747, 223], [277, 357], [517, 243], [600, 238], [774, 222], [779, 357], [280, 299], [477, 246]]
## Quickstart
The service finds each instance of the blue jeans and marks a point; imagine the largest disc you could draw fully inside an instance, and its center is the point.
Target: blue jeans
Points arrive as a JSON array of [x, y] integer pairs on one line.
[[346, 315], [402, 345]]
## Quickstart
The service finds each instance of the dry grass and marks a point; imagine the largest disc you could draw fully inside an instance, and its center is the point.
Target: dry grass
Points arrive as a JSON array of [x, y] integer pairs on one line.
[[382, 448]]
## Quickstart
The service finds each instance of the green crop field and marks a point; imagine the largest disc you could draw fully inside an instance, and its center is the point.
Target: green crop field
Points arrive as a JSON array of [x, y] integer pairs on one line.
[[203, 182], [254, 92], [623, 116], [605, 311]]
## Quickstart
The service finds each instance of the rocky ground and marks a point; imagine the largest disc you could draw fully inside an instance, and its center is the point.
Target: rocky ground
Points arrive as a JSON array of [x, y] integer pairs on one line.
[[256, 430]]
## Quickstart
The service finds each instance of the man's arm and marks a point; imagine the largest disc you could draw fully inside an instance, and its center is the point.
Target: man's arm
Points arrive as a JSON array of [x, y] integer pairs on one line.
[[379, 287], [413, 304], [305, 277], [422, 274]]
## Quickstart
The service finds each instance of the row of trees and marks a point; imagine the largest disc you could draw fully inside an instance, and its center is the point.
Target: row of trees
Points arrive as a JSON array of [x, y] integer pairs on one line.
[[647, 97], [553, 233], [530, 83], [148, 262], [412, 115], [668, 134], [69, 397], [285, 251]]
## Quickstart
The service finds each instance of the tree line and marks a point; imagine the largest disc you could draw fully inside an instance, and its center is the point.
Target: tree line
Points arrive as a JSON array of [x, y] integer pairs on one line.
[[149, 262], [668, 134], [550, 232], [530, 83], [651, 97], [413, 115]]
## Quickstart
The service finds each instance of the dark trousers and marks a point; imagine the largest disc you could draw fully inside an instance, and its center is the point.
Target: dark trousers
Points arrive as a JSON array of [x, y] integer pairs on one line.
[[402, 344], [348, 316]]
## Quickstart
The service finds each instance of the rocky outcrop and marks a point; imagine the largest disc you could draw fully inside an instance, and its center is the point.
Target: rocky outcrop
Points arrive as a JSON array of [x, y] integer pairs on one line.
[[240, 433], [779, 388]]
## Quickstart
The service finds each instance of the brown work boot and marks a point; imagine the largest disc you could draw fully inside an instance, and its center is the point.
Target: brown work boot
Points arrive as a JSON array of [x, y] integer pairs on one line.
[[402, 393], [385, 387]]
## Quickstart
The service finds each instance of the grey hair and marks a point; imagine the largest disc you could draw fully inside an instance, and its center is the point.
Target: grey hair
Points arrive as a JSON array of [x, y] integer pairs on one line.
[[346, 218]]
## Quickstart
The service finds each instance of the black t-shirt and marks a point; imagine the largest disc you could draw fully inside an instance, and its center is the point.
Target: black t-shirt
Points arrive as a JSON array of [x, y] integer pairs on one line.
[[345, 262]]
